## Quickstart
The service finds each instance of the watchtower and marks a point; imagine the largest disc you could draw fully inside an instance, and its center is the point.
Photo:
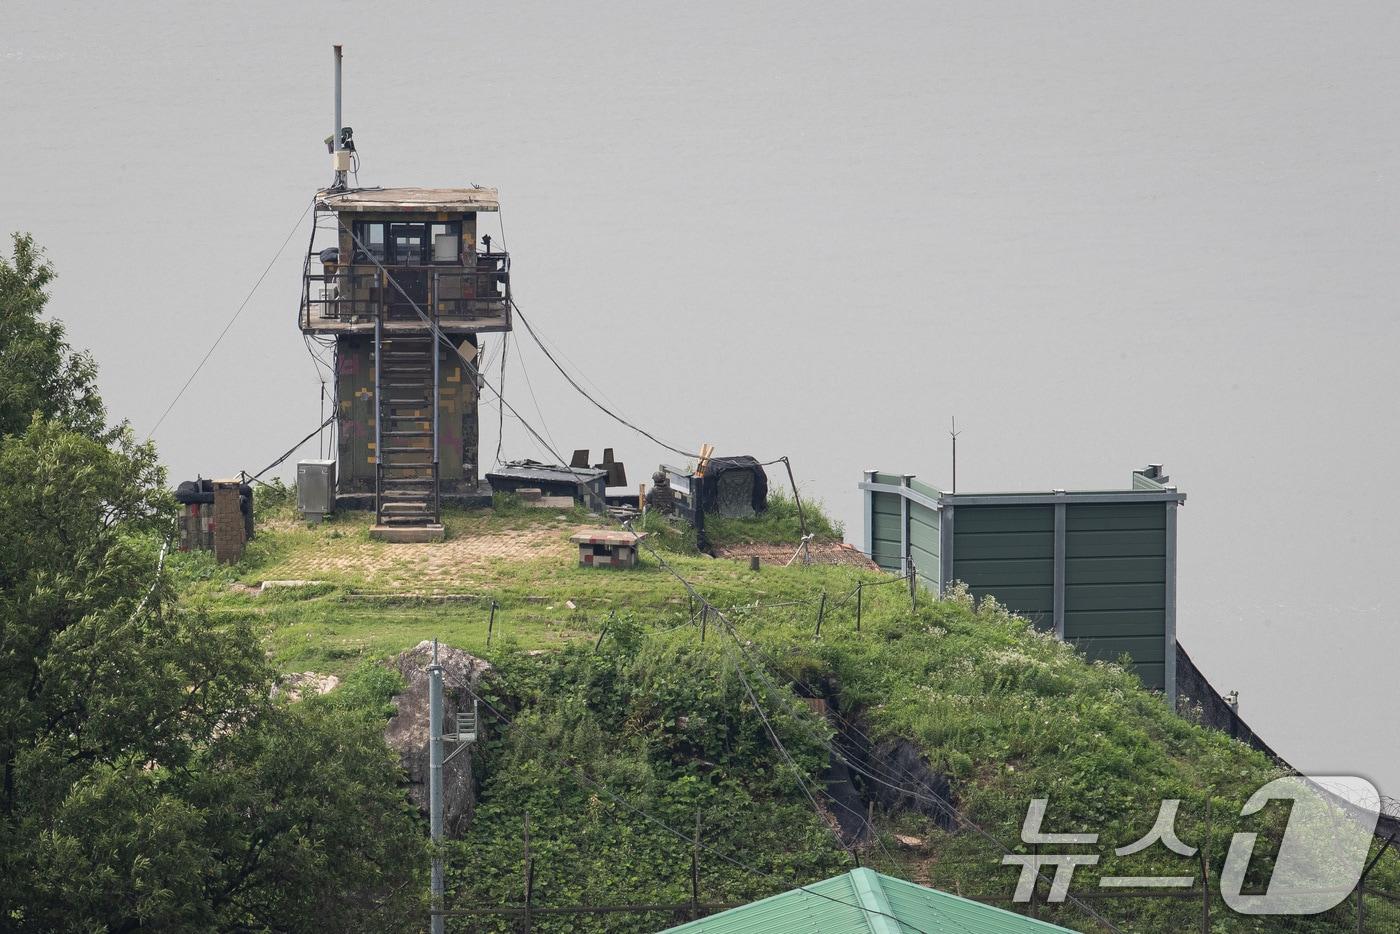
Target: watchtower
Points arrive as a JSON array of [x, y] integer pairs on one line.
[[405, 293], [401, 290]]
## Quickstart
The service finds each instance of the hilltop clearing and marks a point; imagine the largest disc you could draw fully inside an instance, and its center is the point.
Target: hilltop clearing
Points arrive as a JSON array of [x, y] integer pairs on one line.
[[913, 743]]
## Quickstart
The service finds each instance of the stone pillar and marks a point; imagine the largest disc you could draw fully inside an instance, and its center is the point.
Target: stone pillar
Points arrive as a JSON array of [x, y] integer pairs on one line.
[[229, 531]]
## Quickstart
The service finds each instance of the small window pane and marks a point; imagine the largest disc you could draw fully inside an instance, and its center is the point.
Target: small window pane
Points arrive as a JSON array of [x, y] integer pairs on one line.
[[445, 243]]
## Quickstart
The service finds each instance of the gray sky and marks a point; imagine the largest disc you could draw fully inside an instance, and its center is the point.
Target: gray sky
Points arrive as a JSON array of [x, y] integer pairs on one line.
[[1100, 234]]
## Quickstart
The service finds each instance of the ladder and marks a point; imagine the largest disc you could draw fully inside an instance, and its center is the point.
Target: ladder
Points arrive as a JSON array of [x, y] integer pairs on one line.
[[406, 429], [467, 731]]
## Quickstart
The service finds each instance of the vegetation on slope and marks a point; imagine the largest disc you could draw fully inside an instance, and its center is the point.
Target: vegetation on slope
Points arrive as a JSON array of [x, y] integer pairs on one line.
[[652, 717]]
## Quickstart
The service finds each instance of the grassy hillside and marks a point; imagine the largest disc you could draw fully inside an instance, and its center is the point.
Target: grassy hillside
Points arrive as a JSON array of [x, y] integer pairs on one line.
[[652, 718]]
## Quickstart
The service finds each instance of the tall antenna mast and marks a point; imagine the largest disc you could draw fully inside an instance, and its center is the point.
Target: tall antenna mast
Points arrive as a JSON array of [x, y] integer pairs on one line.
[[340, 159], [953, 433]]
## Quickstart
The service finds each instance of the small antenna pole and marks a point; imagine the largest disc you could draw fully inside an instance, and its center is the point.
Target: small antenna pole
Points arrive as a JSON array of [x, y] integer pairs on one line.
[[336, 144], [953, 433]]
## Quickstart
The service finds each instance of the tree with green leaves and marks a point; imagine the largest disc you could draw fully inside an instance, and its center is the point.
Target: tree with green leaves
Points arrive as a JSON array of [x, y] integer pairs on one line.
[[39, 372], [150, 780]]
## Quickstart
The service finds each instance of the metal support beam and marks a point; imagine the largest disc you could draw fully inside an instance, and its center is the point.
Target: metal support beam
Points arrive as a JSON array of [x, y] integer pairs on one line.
[[1169, 680], [900, 490], [1046, 499], [869, 540], [906, 555], [435, 785], [1059, 590], [945, 548], [378, 417]]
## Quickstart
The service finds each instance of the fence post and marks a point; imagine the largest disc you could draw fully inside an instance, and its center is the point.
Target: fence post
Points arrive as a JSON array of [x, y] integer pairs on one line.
[[704, 619], [859, 585], [1361, 884], [599, 644], [695, 871], [491, 623], [1205, 893], [529, 874], [913, 588], [821, 611]]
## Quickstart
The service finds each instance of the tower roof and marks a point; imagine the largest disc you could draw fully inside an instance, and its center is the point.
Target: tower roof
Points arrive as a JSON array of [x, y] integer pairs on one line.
[[410, 200]]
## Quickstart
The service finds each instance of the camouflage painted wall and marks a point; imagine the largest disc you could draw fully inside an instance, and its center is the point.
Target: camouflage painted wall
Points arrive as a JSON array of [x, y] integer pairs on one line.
[[458, 438]]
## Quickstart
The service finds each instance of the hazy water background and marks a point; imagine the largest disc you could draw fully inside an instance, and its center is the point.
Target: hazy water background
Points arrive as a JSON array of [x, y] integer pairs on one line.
[[1100, 234]]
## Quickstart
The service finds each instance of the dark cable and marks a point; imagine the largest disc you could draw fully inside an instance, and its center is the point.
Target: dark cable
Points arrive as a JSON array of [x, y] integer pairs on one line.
[[236, 313], [501, 421], [293, 449], [583, 392]]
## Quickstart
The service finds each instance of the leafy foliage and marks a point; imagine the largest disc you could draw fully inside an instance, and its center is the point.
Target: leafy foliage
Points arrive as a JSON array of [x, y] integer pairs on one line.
[[39, 373], [665, 727], [149, 780]]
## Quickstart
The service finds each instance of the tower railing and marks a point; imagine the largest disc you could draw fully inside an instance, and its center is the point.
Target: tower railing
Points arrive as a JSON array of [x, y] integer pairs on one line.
[[475, 292]]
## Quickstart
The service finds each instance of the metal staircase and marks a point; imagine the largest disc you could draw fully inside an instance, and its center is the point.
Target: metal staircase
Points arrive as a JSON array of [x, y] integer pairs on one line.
[[406, 455]]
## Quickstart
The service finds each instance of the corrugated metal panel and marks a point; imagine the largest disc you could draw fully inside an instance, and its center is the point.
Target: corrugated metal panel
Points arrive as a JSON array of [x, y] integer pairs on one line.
[[1115, 584], [924, 543], [1097, 623], [974, 519], [1008, 552], [1087, 517], [887, 535], [864, 903], [1149, 649], [925, 489], [1115, 597]]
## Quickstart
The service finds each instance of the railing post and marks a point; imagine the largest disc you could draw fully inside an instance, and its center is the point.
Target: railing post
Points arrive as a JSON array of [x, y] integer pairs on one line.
[[378, 418], [695, 871]]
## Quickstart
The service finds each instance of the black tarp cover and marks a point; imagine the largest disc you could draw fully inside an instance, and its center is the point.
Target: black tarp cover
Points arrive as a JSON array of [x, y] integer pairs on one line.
[[726, 476]]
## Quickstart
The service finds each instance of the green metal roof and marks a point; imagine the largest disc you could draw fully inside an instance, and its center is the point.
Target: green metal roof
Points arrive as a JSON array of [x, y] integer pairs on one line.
[[865, 902]]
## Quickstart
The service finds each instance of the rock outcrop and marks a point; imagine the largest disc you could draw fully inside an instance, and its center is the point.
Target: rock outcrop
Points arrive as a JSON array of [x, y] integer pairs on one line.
[[407, 730]]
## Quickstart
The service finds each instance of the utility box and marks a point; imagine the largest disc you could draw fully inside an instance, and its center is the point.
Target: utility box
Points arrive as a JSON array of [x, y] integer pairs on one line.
[[315, 489]]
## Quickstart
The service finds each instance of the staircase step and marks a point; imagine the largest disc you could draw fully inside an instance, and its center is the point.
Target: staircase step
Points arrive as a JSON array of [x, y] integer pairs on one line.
[[409, 433], [406, 481], [406, 466]]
